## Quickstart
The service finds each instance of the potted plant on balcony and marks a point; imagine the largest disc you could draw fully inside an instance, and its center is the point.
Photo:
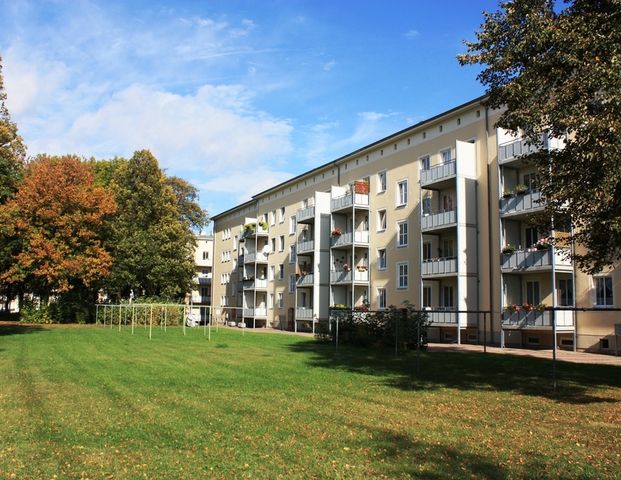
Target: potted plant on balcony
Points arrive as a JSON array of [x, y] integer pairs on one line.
[[540, 307], [337, 232], [521, 189], [361, 268], [263, 225], [346, 267], [507, 194], [249, 228], [513, 308], [527, 307], [543, 243], [508, 249]]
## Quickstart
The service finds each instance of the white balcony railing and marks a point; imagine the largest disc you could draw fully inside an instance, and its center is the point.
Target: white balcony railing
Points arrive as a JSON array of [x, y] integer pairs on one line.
[[253, 257], [305, 214], [306, 246], [439, 266], [438, 173], [260, 312], [345, 239], [304, 313], [350, 199], [523, 260], [521, 203], [537, 318], [255, 284], [248, 312], [306, 280], [443, 318], [509, 151], [436, 220], [340, 276]]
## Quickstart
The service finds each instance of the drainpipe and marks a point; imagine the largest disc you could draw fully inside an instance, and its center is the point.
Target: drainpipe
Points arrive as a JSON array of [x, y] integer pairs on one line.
[[489, 228]]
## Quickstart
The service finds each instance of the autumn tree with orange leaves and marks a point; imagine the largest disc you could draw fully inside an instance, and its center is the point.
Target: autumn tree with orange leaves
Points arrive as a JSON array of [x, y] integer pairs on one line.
[[59, 215]]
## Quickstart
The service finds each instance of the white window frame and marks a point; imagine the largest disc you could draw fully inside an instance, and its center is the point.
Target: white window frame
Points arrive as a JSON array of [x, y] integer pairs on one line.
[[444, 160], [382, 266], [292, 254], [427, 296], [281, 300], [381, 226], [407, 233], [281, 243], [281, 215], [597, 280], [403, 275], [425, 162], [281, 271], [292, 282], [381, 181], [402, 194], [381, 298]]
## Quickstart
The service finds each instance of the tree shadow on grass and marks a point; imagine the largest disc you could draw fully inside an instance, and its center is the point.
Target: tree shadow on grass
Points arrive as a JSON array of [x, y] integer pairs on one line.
[[14, 328], [576, 383]]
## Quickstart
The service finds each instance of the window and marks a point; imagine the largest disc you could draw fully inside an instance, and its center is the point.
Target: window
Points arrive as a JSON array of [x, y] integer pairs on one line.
[[271, 272], [291, 283], [402, 275], [448, 248], [603, 288], [381, 182], [426, 250], [381, 298], [425, 163], [281, 302], [205, 255], [223, 301], [281, 272], [446, 155], [402, 237], [281, 243], [292, 225], [566, 292], [426, 297], [270, 301], [235, 242], [402, 193], [281, 215], [446, 300], [426, 206], [447, 202], [292, 254], [530, 180], [532, 293], [381, 220], [273, 218], [381, 259], [531, 236], [302, 300]]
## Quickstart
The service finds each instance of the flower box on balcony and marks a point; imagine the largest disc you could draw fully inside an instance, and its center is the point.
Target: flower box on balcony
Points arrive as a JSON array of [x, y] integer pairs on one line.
[[508, 249], [521, 189], [337, 232], [361, 187]]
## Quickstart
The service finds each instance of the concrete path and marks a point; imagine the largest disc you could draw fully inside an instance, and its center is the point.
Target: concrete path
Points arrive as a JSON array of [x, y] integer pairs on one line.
[[561, 355]]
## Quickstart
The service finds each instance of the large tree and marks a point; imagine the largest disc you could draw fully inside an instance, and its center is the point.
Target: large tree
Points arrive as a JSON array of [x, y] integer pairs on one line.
[[151, 237], [557, 73], [57, 214]]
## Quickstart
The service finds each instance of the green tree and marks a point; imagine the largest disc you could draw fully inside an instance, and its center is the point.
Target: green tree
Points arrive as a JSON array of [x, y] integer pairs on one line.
[[150, 236], [557, 73], [57, 214], [187, 200], [12, 155]]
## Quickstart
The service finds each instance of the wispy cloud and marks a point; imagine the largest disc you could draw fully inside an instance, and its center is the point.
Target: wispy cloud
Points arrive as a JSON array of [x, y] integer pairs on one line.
[[411, 34]]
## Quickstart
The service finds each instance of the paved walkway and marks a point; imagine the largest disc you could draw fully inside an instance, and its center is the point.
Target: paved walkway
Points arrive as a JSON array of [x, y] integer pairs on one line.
[[562, 355]]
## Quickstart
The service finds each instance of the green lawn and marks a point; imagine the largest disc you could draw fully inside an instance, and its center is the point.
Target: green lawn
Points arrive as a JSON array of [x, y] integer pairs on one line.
[[89, 402]]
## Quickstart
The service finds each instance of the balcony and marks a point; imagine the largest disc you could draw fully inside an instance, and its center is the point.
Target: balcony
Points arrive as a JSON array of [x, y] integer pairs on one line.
[[203, 280], [255, 284], [253, 230], [518, 204], [350, 200], [307, 246], [347, 239], [306, 280], [438, 220], [255, 312], [439, 266], [305, 215], [342, 276], [512, 151], [537, 319], [437, 318], [201, 300], [253, 257], [533, 260], [438, 173], [303, 313]]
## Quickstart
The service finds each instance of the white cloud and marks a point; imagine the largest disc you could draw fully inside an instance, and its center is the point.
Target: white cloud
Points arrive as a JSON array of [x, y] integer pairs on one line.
[[241, 185], [329, 65], [410, 34]]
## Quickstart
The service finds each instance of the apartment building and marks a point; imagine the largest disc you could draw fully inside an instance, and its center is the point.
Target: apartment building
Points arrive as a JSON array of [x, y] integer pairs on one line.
[[439, 214], [200, 296]]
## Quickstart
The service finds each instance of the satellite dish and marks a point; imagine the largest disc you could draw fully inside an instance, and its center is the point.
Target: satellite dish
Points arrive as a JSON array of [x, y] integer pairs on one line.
[[267, 250]]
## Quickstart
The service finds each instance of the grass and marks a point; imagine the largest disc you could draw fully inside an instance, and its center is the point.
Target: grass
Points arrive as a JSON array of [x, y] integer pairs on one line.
[[89, 402]]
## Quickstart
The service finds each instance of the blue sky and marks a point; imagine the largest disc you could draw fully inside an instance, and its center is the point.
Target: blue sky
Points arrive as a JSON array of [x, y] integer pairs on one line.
[[233, 96]]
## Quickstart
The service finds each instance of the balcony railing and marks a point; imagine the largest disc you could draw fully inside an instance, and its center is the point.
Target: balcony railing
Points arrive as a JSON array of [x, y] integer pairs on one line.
[[439, 266], [438, 173], [304, 313], [306, 280], [203, 280], [248, 312], [305, 246], [437, 220], [350, 199], [253, 257], [442, 318], [304, 215], [255, 284], [510, 151], [345, 239], [524, 203], [524, 260], [537, 318], [342, 276]]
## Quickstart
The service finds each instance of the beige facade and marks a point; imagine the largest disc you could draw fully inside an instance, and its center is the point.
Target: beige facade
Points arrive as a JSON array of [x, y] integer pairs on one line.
[[423, 216], [201, 294]]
